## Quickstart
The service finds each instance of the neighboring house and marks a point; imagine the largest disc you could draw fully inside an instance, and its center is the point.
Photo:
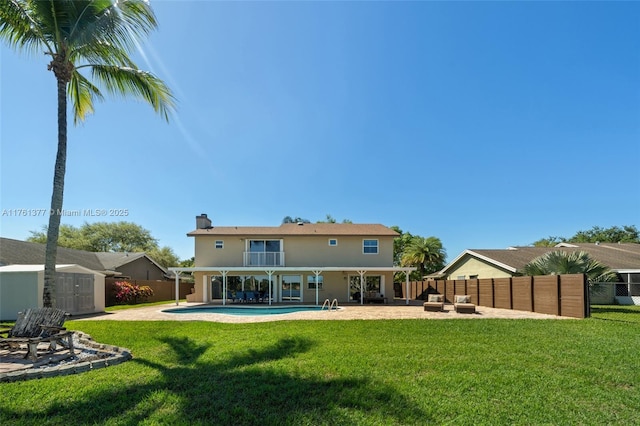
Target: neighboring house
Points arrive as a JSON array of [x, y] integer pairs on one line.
[[623, 258], [294, 262], [135, 266]]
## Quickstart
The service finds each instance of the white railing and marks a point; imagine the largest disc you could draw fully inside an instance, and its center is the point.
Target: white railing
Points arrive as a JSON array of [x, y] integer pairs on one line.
[[275, 258]]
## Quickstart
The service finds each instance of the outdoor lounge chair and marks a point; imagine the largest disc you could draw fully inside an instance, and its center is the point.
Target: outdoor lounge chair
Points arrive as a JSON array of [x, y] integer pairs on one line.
[[462, 304], [435, 303], [240, 297], [35, 326]]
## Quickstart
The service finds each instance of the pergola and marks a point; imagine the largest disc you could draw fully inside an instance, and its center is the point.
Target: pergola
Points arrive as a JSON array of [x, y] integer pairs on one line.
[[270, 271]]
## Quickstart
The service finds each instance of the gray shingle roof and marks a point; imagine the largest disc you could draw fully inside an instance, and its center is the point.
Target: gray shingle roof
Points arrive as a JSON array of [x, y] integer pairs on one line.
[[15, 252], [327, 229], [618, 257]]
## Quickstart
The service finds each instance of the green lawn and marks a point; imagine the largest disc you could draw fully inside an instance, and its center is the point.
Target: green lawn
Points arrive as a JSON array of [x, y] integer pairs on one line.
[[467, 371]]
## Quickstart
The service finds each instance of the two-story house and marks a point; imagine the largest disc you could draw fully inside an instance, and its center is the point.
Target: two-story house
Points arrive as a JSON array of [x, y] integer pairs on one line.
[[294, 262]]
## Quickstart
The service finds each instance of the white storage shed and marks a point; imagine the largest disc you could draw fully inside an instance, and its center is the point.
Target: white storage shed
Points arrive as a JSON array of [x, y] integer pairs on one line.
[[78, 290]]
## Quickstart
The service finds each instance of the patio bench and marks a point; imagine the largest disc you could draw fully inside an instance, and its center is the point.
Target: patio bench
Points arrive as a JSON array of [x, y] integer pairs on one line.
[[35, 326]]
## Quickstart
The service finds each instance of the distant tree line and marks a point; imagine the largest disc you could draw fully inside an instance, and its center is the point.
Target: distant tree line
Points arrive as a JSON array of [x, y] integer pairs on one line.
[[614, 234], [110, 237]]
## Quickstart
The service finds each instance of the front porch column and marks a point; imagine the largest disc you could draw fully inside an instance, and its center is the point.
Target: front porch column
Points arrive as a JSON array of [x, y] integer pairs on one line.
[[407, 275], [270, 273], [205, 292], [317, 273], [362, 286], [177, 287], [224, 287]]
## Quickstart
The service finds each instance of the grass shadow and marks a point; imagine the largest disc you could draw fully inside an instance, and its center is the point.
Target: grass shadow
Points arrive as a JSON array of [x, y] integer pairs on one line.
[[244, 388]]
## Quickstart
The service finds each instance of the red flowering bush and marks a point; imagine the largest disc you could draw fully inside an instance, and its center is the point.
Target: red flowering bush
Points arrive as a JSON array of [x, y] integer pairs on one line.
[[131, 293]]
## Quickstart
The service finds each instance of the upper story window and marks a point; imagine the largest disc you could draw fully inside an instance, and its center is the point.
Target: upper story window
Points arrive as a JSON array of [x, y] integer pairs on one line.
[[264, 253], [370, 246], [219, 244], [333, 242]]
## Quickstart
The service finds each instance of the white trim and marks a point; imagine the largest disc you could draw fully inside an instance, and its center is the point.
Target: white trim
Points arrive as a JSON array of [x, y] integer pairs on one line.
[[333, 245]]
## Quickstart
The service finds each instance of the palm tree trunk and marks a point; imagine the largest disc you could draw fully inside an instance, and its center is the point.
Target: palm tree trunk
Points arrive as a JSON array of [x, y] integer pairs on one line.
[[51, 251]]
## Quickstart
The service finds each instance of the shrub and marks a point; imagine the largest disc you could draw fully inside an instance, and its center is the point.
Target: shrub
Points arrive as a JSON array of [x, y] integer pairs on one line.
[[131, 293]]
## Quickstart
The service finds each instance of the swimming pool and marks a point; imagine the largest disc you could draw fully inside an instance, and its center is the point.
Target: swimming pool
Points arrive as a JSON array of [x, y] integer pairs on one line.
[[244, 310]]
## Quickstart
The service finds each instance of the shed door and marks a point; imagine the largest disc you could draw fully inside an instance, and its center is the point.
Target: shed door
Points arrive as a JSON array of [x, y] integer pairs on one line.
[[74, 292], [65, 292]]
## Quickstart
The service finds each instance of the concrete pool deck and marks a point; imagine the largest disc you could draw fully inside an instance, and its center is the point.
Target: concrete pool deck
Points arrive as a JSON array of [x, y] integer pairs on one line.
[[397, 310]]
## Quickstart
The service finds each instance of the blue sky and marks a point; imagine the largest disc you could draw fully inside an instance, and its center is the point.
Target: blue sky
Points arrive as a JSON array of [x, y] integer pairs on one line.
[[485, 124]]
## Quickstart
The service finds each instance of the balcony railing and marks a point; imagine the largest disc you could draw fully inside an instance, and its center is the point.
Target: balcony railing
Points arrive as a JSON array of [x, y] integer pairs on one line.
[[275, 258]]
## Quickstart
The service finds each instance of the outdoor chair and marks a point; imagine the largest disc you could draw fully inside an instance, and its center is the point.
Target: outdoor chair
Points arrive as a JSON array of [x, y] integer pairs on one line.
[[435, 303], [240, 297], [35, 326], [462, 304]]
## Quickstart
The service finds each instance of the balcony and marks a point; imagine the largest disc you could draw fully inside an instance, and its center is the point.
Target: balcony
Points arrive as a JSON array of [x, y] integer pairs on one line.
[[275, 258]]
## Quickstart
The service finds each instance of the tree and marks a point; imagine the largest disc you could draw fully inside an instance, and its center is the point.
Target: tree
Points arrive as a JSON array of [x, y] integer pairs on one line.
[[110, 237], [82, 35], [615, 234], [549, 242], [289, 219], [331, 219], [425, 253], [164, 256], [564, 262]]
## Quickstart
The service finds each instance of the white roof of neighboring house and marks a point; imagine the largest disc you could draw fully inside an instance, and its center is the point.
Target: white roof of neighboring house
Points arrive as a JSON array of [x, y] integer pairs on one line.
[[39, 268]]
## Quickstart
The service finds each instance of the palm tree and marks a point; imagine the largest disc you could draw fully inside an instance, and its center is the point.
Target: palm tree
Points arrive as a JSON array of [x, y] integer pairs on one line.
[[425, 253], [92, 35], [563, 262]]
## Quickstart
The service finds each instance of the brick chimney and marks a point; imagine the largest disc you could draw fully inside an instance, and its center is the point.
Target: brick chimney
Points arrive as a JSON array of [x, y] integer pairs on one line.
[[203, 222]]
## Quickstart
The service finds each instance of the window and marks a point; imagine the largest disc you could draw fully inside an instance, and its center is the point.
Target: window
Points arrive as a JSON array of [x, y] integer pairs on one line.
[[311, 280], [333, 242], [264, 253], [370, 246], [219, 244]]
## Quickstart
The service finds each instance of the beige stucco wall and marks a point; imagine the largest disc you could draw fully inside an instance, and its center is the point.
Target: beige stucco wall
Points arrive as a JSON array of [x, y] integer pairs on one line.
[[468, 266], [298, 250]]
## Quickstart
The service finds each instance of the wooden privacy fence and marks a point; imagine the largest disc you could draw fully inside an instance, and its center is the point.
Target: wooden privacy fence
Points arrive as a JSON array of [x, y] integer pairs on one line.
[[565, 295], [162, 290]]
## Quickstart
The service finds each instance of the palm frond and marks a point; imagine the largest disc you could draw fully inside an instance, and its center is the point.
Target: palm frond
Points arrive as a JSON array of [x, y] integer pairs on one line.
[[562, 262], [82, 94], [116, 23], [142, 84], [19, 28], [100, 53]]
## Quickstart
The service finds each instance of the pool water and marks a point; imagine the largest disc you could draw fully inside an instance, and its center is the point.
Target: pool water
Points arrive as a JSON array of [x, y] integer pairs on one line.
[[244, 311]]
